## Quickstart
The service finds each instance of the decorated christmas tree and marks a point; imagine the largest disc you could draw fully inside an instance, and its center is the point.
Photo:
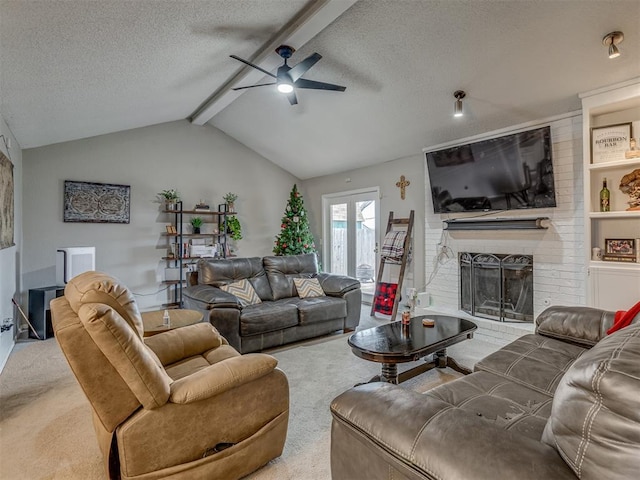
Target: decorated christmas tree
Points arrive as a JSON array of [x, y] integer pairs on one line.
[[295, 237]]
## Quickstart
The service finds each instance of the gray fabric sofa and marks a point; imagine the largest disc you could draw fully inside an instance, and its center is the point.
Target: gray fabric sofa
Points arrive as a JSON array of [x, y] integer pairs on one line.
[[563, 403], [282, 317]]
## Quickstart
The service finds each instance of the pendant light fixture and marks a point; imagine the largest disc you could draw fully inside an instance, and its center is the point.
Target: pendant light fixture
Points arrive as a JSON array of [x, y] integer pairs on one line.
[[457, 106], [611, 40]]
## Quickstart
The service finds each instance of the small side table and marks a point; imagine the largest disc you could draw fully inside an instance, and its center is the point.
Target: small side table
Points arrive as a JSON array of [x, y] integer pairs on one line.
[[39, 311], [152, 321]]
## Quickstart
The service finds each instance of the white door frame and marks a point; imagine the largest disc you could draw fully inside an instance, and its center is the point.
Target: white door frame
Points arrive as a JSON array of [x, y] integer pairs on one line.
[[329, 199]]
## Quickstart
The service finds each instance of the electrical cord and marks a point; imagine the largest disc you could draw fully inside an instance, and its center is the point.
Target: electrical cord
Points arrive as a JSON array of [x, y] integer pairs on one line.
[[152, 293]]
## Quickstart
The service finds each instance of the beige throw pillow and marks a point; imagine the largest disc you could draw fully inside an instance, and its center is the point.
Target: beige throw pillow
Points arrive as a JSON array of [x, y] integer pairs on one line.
[[308, 287], [244, 291]]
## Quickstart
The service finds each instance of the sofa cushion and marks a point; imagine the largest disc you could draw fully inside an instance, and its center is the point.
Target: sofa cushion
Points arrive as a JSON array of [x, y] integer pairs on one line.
[[532, 360], [319, 309], [499, 401], [221, 271], [595, 416], [267, 317], [98, 287], [244, 291], [281, 270], [583, 326], [308, 287]]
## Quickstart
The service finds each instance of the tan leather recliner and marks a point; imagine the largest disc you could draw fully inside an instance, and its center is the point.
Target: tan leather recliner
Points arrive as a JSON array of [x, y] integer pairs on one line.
[[180, 404]]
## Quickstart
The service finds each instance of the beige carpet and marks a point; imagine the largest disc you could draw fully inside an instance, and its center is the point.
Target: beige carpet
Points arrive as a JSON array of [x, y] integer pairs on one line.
[[45, 421]]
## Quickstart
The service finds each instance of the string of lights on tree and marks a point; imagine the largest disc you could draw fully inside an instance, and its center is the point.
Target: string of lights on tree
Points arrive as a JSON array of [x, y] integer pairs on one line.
[[295, 237]]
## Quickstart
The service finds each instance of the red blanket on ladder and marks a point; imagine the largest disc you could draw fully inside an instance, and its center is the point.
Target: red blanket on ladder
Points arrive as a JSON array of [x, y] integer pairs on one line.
[[384, 298]]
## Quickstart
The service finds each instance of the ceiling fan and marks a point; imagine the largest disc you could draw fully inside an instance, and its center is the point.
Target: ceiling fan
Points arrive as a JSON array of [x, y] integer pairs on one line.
[[289, 78]]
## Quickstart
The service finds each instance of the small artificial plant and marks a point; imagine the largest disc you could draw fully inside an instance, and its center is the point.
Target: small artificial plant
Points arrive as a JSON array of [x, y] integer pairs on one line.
[[170, 195], [196, 223], [230, 197], [233, 227]]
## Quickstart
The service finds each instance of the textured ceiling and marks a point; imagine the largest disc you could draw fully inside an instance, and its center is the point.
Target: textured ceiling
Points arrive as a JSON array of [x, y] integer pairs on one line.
[[73, 69]]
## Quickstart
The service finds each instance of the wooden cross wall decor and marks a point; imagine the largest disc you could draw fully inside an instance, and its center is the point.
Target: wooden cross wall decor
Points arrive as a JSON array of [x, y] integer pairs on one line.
[[402, 185]]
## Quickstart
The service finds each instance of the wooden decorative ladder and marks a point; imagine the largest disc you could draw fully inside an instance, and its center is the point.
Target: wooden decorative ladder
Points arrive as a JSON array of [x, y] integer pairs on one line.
[[403, 223]]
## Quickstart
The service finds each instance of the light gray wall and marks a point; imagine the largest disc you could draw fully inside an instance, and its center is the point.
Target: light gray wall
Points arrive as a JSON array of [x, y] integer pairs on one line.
[[384, 176], [201, 162], [9, 257]]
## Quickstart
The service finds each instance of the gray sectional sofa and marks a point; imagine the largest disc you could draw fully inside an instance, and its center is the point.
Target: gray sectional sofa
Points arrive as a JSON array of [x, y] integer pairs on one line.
[[281, 317], [563, 403]]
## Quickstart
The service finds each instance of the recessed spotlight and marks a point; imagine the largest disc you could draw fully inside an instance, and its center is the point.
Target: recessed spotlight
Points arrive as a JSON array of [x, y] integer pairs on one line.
[[611, 40]]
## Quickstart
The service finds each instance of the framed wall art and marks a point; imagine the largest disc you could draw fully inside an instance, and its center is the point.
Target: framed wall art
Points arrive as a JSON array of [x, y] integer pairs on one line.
[[609, 144], [96, 202], [620, 250], [6, 202]]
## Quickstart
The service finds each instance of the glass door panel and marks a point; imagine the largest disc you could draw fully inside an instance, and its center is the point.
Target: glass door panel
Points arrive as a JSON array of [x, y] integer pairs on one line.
[[338, 245], [351, 236]]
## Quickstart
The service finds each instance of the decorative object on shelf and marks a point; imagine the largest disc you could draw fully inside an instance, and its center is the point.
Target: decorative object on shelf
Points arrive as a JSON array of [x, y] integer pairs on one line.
[[234, 228], [230, 199], [201, 207], [6, 202], [170, 198], [402, 185], [605, 197], [596, 254], [634, 150], [196, 223], [609, 143], [90, 202], [295, 237], [621, 250], [630, 184], [171, 230]]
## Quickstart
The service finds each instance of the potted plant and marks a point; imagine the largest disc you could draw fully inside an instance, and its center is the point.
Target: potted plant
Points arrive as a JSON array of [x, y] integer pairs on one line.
[[196, 223], [170, 198], [233, 228], [229, 199]]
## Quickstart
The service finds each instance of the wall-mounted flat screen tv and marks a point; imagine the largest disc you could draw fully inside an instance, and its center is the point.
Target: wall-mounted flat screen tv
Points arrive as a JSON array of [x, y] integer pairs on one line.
[[512, 172]]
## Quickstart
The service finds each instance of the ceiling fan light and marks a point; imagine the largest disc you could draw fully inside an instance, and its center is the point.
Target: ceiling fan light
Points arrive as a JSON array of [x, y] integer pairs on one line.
[[285, 87]]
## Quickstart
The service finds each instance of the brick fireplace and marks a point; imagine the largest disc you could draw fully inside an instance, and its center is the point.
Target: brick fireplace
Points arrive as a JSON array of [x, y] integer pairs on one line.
[[497, 287], [559, 271]]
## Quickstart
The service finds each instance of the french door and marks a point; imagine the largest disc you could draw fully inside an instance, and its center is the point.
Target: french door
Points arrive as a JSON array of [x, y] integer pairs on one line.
[[350, 235]]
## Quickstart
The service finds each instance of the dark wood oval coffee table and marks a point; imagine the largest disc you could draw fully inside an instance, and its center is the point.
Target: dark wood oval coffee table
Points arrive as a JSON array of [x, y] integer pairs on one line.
[[395, 343]]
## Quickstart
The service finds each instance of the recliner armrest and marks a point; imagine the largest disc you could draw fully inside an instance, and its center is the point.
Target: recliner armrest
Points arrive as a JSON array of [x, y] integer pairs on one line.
[[432, 436], [210, 297], [337, 285], [175, 345], [584, 326], [221, 377]]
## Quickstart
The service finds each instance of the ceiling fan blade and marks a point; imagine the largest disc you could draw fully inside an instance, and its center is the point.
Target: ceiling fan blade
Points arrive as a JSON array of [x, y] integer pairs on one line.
[[304, 83], [252, 65], [293, 100], [300, 69], [251, 86]]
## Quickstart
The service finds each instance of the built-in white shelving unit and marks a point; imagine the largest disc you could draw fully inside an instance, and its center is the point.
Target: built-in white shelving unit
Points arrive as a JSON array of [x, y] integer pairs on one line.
[[611, 285]]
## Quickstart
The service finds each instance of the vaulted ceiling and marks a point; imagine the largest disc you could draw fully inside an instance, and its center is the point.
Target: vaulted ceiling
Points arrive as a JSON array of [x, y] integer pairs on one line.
[[72, 69]]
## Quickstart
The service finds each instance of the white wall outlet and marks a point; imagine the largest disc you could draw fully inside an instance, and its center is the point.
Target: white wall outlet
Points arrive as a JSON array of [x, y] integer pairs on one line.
[[423, 300]]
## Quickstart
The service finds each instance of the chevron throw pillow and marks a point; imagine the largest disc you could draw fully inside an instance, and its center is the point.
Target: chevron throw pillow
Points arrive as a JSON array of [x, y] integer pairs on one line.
[[308, 287], [244, 291]]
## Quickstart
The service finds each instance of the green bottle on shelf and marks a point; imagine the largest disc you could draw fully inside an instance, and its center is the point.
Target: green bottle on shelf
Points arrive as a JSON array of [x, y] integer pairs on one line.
[[605, 195]]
